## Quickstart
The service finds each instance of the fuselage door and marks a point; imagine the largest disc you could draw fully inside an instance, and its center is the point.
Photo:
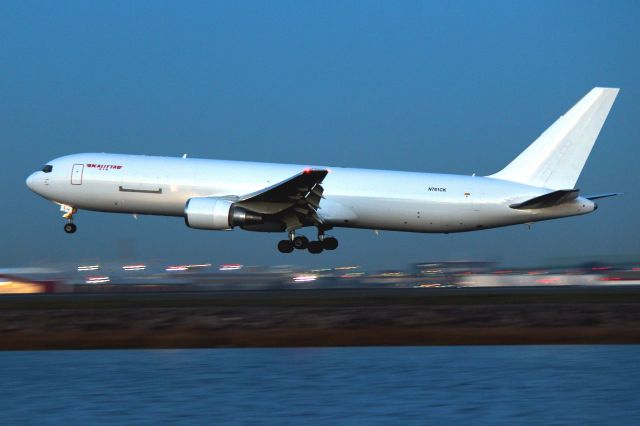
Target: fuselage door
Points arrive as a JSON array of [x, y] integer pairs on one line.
[[76, 174]]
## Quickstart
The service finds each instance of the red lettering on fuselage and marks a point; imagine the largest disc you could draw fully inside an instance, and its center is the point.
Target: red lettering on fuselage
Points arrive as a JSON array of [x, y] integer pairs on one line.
[[104, 166]]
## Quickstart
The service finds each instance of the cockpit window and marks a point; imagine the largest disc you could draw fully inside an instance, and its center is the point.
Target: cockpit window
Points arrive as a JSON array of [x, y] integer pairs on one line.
[[47, 168]]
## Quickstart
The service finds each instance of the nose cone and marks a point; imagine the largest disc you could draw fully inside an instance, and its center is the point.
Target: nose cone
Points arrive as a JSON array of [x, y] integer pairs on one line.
[[31, 181]]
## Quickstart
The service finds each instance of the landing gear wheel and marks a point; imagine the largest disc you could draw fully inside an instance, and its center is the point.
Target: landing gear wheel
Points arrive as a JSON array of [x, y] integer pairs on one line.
[[285, 246], [330, 243], [70, 228], [301, 242], [315, 247]]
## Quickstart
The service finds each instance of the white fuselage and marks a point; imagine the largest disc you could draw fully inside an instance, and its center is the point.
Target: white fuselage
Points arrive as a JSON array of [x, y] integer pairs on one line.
[[354, 198]]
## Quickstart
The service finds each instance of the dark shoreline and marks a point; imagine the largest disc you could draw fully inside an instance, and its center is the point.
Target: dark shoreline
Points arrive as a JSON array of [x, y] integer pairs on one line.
[[316, 318]]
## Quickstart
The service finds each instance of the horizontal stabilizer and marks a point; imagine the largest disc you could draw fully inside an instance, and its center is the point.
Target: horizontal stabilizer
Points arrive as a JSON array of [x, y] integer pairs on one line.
[[547, 200], [609, 194]]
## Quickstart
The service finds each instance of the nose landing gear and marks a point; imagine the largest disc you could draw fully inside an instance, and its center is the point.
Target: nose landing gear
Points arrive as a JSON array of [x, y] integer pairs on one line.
[[69, 227]]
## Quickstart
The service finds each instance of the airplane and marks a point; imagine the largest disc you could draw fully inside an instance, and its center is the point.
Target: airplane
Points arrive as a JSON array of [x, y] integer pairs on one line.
[[539, 184]]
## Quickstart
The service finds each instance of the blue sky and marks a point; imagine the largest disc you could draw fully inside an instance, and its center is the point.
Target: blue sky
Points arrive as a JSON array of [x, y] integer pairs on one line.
[[457, 87]]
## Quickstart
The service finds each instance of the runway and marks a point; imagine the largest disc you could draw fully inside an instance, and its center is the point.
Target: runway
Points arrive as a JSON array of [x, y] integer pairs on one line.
[[336, 317]]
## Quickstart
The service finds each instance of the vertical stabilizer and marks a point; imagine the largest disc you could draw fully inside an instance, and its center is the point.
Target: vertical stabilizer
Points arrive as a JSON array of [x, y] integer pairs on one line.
[[557, 157]]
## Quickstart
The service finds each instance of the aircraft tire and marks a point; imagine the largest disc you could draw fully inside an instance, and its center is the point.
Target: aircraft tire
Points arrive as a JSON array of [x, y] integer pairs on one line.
[[70, 228], [285, 246], [315, 247], [301, 242], [330, 243]]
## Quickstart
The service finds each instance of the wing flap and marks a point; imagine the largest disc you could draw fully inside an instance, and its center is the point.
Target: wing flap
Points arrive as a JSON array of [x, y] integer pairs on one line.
[[296, 200]]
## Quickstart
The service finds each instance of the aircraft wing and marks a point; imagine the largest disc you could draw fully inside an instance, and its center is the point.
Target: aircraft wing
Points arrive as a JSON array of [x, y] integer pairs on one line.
[[295, 199], [548, 200]]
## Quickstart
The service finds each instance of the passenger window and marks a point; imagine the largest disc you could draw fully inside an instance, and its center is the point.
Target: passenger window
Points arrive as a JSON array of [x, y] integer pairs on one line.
[[47, 168]]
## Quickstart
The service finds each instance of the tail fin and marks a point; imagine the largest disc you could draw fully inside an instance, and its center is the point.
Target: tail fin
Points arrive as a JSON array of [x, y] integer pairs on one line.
[[557, 157]]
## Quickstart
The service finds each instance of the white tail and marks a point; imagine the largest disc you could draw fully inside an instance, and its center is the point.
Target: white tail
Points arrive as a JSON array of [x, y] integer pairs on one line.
[[557, 157]]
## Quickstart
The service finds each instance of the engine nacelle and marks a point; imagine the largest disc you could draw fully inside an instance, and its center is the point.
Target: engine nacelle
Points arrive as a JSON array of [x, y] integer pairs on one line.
[[218, 214]]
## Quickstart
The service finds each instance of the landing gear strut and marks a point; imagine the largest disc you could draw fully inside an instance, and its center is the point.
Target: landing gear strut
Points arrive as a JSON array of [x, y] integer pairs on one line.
[[69, 227], [287, 246], [327, 243]]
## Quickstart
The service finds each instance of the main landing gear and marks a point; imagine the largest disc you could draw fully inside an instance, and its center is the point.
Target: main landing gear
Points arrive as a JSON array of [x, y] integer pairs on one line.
[[69, 227], [301, 242]]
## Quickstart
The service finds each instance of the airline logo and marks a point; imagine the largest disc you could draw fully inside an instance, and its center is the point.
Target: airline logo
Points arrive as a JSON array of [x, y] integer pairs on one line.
[[104, 166]]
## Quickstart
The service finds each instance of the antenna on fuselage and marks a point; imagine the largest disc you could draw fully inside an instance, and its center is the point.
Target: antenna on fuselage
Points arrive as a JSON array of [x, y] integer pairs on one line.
[[184, 155]]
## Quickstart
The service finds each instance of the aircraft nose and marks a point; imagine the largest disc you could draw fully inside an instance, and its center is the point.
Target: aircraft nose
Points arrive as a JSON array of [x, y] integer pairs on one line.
[[31, 181]]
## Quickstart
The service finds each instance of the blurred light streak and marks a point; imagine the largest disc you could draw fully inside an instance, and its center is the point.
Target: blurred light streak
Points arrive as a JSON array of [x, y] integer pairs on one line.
[[201, 265], [230, 267], [88, 268], [16, 287], [134, 267], [176, 268], [305, 278], [97, 280]]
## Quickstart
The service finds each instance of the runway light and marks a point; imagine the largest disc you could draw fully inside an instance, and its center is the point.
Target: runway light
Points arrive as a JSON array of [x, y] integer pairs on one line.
[[134, 267], [230, 267], [305, 278], [97, 280], [393, 274], [352, 275], [88, 268], [176, 268]]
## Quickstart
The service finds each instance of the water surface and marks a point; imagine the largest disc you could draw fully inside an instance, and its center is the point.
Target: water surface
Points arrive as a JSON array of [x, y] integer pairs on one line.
[[372, 385]]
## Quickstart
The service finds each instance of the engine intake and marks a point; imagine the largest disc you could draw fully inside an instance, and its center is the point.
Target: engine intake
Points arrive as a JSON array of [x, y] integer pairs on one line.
[[217, 214]]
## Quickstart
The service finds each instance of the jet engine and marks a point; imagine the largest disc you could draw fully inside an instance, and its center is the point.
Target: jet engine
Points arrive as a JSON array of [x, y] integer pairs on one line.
[[217, 214]]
